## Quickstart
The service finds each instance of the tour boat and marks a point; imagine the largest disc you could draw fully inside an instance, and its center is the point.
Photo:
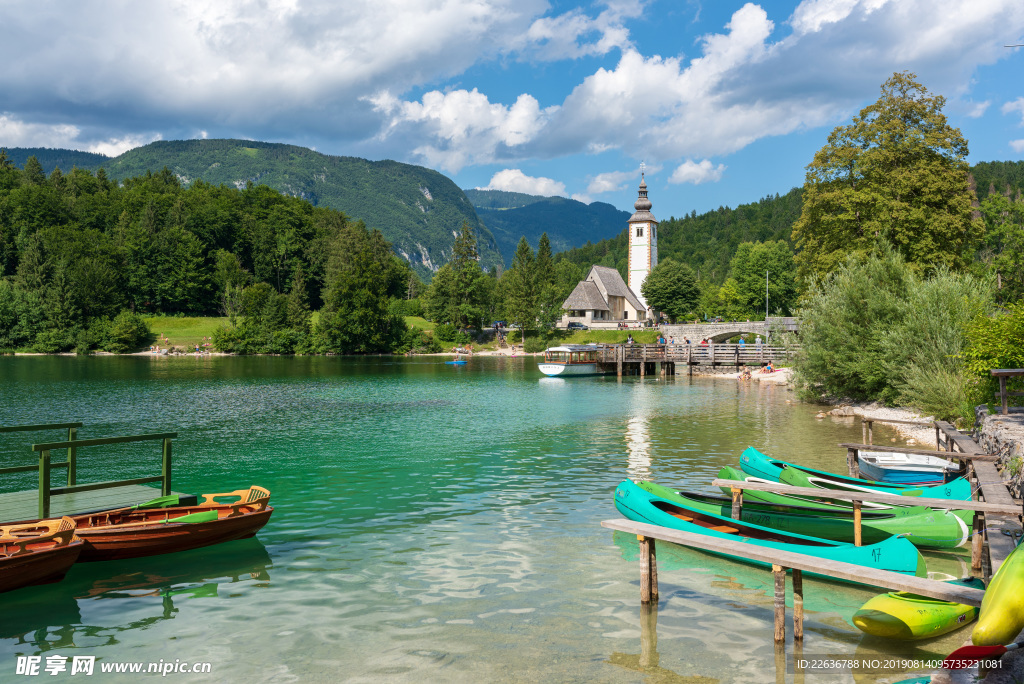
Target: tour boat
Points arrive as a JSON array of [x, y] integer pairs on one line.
[[900, 468], [571, 359], [37, 553]]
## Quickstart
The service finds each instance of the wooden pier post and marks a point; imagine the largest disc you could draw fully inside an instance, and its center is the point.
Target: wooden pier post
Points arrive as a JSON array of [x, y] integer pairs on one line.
[[978, 540], [649, 635], [737, 503], [643, 360], [858, 537], [72, 458], [619, 353], [689, 362], [44, 484], [851, 462], [871, 432], [648, 569], [780, 602], [798, 605], [165, 471]]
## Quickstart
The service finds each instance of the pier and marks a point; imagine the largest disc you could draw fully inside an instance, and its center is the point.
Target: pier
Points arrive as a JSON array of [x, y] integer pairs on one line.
[[664, 359], [73, 498]]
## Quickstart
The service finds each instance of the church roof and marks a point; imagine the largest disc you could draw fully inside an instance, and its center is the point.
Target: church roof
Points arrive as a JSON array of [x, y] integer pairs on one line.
[[615, 286], [586, 297], [642, 205]]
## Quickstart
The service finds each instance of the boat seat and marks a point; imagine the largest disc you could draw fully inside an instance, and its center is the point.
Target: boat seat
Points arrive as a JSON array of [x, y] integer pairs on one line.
[[725, 528], [681, 517]]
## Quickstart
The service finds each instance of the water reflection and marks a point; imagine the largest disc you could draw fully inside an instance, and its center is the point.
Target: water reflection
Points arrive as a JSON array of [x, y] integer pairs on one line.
[[638, 444], [647, 660], [146, 591]]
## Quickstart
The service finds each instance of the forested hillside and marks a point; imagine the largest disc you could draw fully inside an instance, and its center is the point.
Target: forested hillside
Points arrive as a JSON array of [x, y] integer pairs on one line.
[[62, 159], [78, 253], [706, 242], [998, 177], [568, 223], [418, 210]]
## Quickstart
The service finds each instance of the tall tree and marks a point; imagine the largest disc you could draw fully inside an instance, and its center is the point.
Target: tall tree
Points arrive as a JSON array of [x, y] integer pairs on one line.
[[897, 173], [672, 288], [521, 288], [752, 263]]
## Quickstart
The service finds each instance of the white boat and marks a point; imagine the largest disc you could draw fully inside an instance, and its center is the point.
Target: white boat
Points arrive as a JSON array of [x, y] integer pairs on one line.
[[571, 359], [901, 468]]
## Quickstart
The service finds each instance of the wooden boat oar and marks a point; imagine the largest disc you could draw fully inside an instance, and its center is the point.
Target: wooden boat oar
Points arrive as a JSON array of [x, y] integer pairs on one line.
[[159, 502], [966, 656], [201, 517]]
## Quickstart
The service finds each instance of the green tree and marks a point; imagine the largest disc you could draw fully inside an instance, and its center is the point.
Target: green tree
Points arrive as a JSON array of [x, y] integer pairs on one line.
[[672, 288], [549, 294], [521, 288], [752, 262], [897, 173], [1003, 252]]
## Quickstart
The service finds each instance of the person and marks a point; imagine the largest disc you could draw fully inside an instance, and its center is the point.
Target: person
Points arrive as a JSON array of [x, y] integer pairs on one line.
[[704, 342], [686, 340], [745, 375], [743, 343], [671, 339], [629, 338], [661, 339], [758, 343], [768, 368]]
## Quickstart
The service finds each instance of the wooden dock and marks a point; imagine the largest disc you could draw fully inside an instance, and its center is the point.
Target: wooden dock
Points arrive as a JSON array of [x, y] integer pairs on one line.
[[663, 359], [24, 505]]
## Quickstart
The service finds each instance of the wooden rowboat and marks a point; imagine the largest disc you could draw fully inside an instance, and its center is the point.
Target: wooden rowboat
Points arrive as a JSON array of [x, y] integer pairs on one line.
[[895, 554], [37, 553], [135, 532]]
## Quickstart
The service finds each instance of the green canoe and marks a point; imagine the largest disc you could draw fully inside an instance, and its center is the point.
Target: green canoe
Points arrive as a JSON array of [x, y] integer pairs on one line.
[[895, 554], [924, 527]]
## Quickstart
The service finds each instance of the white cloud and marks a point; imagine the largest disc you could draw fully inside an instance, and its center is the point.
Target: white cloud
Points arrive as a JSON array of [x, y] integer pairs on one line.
[[117, 146], [15, 132], [1014, 106], [609, 182], [559, 37], [697, 172], [1017, 146], [812, 15], [977, 109], [514, 180]]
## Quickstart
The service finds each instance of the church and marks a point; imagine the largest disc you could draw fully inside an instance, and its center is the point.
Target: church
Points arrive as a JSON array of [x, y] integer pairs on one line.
[[603, 299]]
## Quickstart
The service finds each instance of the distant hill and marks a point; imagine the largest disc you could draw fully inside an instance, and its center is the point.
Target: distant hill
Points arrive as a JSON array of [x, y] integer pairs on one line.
[[420, 211], [50, 159], [998, 176], [568, 223]]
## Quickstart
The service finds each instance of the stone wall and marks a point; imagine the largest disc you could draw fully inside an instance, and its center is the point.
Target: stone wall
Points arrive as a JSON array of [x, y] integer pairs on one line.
[[1004, 436]]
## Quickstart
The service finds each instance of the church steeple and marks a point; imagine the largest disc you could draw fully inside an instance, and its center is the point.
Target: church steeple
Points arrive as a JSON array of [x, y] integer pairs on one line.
[[643, 241]]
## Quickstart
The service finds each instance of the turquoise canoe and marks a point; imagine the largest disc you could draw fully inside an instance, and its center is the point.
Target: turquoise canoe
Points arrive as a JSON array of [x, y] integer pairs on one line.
[[902, 615], [924, 527], [754, 463], [895, 554]]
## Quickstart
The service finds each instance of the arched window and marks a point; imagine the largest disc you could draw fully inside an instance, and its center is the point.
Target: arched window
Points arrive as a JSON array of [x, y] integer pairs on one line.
[[639, 232]]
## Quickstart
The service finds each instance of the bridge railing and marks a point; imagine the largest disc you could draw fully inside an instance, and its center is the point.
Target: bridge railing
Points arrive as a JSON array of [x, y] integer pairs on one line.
[[723, 354]]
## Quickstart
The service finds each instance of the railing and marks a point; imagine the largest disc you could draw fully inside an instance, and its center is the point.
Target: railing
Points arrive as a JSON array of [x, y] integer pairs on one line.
[[72, 429], [715, 354], [45, 466]]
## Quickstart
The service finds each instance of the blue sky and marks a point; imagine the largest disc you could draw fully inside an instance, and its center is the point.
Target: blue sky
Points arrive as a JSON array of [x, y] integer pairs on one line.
[[724, 102]]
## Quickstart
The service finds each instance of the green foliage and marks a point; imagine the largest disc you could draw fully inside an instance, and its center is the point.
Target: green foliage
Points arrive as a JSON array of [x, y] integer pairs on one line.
[[1003, 251], [419, 342], [672, 288], [995, 341], [752, 263], [897, 173], [521, 288], [879, 330], [128, 332]]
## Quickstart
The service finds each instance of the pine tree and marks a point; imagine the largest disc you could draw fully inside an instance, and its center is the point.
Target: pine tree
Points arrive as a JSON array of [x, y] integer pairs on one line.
[[521, 289]]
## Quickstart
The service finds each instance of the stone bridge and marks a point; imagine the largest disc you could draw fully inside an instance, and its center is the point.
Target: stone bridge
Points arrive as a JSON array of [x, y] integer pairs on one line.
[[720, 332]]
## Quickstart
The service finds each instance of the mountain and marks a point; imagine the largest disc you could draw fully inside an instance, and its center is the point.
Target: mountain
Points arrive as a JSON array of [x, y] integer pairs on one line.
[[50, 159], [420, 211], [568, 223]]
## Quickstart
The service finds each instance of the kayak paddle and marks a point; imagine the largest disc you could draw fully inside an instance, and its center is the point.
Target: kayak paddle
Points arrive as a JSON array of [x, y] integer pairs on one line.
[[966, 656]]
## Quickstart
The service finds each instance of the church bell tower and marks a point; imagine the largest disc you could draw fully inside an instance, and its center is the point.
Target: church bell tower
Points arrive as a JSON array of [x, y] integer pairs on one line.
[[643, 242]]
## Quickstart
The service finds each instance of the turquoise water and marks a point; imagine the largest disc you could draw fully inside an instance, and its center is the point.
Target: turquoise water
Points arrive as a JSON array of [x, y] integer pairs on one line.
[[431, 523]]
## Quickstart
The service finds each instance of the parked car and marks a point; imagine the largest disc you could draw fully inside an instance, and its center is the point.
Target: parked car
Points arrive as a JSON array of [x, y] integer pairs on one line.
[[573, 325]]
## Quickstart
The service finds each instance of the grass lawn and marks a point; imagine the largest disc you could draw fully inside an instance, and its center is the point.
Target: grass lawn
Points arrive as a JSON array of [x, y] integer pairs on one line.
[[418, 323], [184, 331]]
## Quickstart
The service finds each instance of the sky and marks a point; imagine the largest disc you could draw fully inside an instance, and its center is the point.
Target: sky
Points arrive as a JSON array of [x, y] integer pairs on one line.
[[720, 103]]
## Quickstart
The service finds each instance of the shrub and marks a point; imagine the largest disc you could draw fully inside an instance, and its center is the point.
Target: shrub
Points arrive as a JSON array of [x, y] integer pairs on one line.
[[128, 332]]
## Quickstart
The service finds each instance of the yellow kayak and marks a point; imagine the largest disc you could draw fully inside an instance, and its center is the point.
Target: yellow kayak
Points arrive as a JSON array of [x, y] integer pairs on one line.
[[1002, 609], [902, 615]]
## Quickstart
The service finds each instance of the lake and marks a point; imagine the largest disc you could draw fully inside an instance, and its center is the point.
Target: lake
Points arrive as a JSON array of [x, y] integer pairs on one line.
[[431, 523]]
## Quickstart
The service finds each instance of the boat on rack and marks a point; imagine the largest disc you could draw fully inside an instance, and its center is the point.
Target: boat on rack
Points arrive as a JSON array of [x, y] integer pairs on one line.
[[924, 527], [903, 615], [906, 469], [895, 554], [571, 359], [135, 532], [37, 553], [757, 464]]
